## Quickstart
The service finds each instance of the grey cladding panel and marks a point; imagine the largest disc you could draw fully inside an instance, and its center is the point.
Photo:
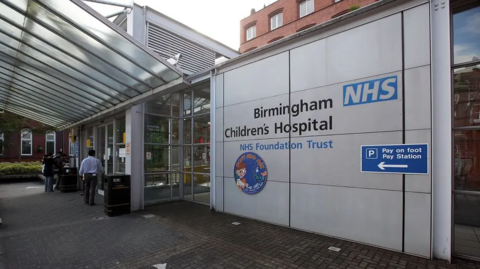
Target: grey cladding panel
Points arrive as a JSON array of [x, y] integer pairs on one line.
[[194, 58], [362, 215]]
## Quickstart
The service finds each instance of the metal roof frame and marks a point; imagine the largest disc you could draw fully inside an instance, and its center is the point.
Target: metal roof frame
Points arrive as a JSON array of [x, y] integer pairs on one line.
[[62, 63]]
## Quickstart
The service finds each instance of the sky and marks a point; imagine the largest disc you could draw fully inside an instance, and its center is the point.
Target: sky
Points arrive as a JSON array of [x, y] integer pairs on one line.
[[466, 35], [218, 19]]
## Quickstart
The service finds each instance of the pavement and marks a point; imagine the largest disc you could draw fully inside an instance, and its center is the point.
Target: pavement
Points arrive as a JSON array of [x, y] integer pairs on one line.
[[57, 230]]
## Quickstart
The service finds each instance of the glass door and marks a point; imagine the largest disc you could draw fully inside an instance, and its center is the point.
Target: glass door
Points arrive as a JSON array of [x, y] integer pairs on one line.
[[101, 154], [109, 155], [466, 130]]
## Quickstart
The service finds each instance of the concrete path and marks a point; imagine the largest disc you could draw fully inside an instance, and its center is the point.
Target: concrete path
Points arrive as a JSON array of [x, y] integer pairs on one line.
[[56, 230]]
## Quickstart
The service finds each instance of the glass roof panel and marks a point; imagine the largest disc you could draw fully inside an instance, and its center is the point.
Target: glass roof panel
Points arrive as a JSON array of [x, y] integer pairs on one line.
[[63, 51]]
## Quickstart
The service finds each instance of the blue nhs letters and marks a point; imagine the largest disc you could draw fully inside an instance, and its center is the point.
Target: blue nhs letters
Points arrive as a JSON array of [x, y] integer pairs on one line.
[[378, 90], [246, 146]]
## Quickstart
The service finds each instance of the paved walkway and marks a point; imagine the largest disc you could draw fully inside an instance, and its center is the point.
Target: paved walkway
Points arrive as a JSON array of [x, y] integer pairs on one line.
[[56, 230]]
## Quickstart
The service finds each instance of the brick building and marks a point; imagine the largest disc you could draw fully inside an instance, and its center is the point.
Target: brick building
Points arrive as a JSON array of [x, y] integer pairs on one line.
[[286, 17], [32, 142]]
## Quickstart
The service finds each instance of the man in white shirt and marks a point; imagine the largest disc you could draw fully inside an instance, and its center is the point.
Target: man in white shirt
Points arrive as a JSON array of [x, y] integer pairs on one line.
[[90, 169]]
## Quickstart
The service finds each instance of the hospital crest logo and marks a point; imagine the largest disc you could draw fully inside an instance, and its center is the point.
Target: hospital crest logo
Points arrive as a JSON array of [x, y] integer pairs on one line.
[[250, 173]]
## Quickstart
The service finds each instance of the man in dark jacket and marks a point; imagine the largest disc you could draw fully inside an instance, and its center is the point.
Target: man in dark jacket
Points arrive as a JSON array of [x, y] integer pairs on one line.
[[48, 171]]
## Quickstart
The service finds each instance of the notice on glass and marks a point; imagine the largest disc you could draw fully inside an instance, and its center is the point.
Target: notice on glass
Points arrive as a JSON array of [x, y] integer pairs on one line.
[[149, 155], [122, 153]]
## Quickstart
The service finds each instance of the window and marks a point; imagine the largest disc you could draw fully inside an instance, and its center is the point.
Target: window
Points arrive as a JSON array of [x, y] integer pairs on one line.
[[50, 142], [306, 7], [466, 44], [251, 32], [276, 21], [2, 139], [26, 141]]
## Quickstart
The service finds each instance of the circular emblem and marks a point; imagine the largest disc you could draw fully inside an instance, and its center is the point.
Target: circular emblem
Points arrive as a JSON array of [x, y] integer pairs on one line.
[[250, 173]]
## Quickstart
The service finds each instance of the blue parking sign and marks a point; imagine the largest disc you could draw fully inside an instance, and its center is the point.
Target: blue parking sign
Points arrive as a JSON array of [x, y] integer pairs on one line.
[[398, 159]]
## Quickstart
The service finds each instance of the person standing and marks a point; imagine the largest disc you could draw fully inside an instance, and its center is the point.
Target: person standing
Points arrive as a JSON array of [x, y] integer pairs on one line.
[[90, 169], [48, 171], [58, 172]]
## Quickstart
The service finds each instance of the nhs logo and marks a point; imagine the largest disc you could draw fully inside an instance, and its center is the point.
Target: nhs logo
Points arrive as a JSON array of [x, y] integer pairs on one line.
[[372, 91]]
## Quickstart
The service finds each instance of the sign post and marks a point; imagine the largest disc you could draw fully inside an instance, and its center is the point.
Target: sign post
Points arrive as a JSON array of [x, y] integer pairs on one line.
[[397, 159]]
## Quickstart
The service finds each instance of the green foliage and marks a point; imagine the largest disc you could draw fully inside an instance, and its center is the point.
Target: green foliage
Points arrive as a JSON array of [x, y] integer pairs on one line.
[[354, 7], [21, 168]]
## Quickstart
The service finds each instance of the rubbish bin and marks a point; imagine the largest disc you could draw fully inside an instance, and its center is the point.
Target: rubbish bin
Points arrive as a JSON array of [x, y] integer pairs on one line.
[[117, 194], [68, 179]]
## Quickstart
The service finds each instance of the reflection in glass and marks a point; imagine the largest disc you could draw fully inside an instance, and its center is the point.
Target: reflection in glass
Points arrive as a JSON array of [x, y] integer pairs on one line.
[[201, 102], [201, 129], [120, 153], [157, 188], [175, 101], [467, 153], [201, 187], [121, 129], [187, 104], [101, 154], [466, 96], [109, 155], [187, 158], [90, 139], [156, 129], [187, 187], [175, 159], [156, 158], [466, 36], [159, 106], [201, 159], [467, 224], [175, 130], [187, 131], [175, 182]]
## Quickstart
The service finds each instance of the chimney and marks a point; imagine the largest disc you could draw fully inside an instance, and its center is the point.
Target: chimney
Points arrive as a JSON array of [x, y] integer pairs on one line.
[[252, 11]]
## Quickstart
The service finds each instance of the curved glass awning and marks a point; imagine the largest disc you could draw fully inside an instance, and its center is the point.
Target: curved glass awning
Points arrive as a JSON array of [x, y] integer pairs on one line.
[[61, 62]]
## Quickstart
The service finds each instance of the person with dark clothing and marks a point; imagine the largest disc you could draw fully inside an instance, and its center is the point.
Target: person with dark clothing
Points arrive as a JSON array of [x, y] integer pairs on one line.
[[90, 169], [59, 160], [48, 171]]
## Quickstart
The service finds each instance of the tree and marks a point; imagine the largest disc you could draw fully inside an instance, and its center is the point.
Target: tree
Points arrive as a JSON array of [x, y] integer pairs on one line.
[[13, 124]]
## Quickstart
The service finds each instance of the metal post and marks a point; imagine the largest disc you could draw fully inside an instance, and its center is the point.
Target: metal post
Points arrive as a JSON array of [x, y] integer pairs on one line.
[[112, 3]]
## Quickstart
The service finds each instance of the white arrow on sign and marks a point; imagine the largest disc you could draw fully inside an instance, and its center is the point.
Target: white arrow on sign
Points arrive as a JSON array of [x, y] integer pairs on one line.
[[382, 165]]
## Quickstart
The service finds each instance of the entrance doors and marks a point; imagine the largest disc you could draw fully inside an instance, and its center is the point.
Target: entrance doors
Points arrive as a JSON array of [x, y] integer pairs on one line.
[[466, 132], [101, 153], [105, 151]]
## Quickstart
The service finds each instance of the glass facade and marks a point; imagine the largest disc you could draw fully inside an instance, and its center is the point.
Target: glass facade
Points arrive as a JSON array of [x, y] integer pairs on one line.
[[466, 131], [90, 140], [196, 130], [120, 129], [162, 133], [177, 147]]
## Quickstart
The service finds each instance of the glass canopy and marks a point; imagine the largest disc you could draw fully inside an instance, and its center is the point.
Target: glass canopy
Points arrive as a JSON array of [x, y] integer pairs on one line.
[[61, 62]]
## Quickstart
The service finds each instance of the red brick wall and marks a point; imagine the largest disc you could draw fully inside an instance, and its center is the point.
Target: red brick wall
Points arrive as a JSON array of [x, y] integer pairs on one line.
[[10, 153], [324, 10]]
